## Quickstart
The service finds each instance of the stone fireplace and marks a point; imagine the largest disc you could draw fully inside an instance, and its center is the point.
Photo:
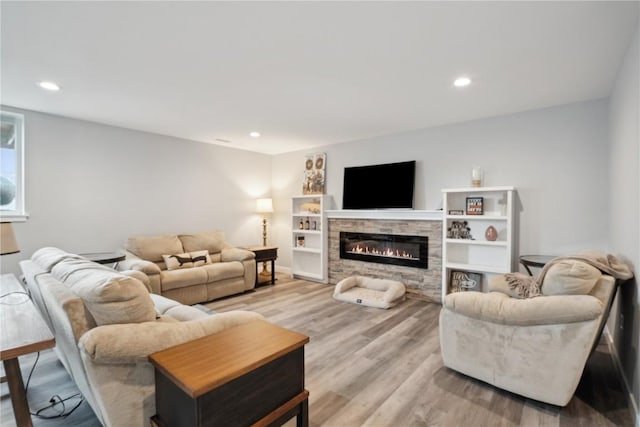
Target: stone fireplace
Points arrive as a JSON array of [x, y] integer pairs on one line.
[[394, 249], [423, 278]]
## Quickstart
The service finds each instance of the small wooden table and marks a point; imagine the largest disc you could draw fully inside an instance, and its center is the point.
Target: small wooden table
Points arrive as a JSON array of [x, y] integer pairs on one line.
[[537, 261], [248, 375], [264, 254], [23, 331], [105, 257]]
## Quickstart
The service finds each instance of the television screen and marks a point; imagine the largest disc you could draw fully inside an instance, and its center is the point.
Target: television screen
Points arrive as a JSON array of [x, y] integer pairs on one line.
[[385, 186]]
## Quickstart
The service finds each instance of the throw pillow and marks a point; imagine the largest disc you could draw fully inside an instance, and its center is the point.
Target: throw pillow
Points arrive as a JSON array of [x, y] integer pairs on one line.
[[516, 285], [177, 261], [200, 258], [570, 277]]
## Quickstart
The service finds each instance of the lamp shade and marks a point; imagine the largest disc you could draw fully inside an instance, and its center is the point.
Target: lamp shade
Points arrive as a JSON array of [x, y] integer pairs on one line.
[[8, 244], [264, 206]]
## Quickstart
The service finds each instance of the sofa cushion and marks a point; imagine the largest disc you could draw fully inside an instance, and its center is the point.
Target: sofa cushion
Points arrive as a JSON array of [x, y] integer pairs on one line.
[[570, 277], [47, 257], [223, 270], [212, 241], [183, 277], [110, 297], [152, 248]]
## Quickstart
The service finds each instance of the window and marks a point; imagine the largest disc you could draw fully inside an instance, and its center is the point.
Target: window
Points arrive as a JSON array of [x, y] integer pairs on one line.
[[12, 167]]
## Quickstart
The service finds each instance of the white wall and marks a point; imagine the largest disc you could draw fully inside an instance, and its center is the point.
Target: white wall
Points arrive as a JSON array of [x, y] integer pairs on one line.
[[556, 157], [624, 165], [90, 186]]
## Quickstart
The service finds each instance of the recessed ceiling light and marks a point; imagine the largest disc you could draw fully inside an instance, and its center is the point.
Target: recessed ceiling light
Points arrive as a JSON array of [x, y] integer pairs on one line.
[[255, 134], [49, 86], [462, 81]]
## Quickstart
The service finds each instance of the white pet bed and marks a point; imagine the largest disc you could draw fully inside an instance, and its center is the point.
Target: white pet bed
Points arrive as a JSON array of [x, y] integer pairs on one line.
[[380, 293]]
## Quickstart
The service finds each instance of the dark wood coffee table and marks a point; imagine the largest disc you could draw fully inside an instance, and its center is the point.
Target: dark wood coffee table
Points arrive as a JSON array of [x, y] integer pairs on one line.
[[248, 375]]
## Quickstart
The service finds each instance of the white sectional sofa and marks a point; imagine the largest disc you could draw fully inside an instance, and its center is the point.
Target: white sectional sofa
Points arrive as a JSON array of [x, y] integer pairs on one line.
[[106, 323]]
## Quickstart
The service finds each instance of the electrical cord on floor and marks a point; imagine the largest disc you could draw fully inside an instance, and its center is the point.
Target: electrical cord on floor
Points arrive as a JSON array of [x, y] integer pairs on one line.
[[54, 401]]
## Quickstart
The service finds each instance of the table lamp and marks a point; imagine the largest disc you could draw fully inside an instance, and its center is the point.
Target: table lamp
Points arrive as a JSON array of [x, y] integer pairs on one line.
[[8, 243], [264, 206]]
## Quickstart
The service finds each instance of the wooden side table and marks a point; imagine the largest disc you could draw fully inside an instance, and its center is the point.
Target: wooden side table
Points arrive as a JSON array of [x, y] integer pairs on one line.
[[105, 257], [248, 375], [263, 255], [23, 331], [537, 261]]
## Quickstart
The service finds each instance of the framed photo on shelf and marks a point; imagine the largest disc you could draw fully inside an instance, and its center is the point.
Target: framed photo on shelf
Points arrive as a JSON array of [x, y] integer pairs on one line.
[[474, 205], [300, 242], [456, 212], [460, 281]]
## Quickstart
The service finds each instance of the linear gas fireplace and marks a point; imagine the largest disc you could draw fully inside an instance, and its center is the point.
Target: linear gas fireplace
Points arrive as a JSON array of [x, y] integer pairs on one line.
[[395, 249]]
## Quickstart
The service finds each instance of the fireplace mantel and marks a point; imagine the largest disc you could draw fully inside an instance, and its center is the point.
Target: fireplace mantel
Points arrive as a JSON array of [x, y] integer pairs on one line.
[[409, 214]]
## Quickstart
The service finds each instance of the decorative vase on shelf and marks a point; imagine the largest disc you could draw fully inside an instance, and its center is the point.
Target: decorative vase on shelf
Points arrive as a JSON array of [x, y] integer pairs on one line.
[[491, 234], [476, 176]]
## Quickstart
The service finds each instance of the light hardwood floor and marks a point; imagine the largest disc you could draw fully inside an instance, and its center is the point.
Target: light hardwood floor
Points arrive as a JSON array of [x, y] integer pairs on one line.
[[373, 367]]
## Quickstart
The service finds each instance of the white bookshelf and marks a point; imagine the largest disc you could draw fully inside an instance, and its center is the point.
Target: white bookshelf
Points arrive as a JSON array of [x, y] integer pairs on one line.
[[309, 261], [478, 255]]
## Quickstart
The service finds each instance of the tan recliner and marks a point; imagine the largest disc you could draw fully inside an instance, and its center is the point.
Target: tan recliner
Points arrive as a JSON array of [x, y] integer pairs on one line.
[[536, 347]]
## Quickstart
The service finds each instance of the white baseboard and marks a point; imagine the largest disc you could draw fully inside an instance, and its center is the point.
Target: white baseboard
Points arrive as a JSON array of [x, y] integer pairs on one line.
[[616, 361], [285, 270]]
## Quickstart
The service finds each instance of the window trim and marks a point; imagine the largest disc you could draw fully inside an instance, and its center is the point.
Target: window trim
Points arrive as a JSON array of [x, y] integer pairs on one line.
[[19, 214]]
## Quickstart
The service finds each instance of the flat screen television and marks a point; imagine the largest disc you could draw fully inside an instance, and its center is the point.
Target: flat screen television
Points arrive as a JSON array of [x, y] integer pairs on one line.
[[384, 186]]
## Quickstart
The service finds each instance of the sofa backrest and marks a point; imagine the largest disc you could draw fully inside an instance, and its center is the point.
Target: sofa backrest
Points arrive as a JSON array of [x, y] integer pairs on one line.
[[212, 241], [109, 296], [151, 248]]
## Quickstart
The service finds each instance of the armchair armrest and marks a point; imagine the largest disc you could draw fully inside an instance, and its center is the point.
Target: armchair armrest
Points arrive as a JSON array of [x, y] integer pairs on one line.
[[236, 254], [497, 307], [137, 264], [134, 342]]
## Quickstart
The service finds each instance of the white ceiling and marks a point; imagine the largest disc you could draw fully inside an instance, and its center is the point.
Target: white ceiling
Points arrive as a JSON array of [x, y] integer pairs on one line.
[[306, 73]]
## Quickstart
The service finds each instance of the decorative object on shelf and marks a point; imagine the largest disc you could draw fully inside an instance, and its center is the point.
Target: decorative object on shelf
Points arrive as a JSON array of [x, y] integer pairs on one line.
[[476, 176], [459, 230], [300, 242], [491, 234], [8, 243], [314, 225], [306, 224], [264, 206], [311, 207], [456, 212], [314, 168], [465, 281], [474, 205]]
